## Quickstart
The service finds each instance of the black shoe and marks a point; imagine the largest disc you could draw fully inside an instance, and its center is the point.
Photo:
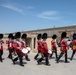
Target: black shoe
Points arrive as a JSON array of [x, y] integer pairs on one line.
[[13, 61], [47, 64], [35, 58], [9, 57], [67, 62], [57, 61], [1, 60], [70, 58], [28, 59], [50, 56], [38, 62], [22, 65]]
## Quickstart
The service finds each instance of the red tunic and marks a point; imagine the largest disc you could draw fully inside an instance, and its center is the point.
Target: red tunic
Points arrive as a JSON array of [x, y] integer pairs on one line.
[[74, 44], [63, 44], [17, 45], [10, 44], [23, 44], [39, 45], [54, 45], [1, 44], [44, 47]]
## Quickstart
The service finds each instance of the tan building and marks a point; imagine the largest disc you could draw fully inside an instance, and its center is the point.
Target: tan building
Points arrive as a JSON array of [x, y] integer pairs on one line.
[[31, 35]]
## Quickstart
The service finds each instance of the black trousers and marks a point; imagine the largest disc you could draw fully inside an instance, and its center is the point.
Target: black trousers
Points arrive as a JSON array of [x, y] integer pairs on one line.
[[19, 57], [39, 51], [53, 53], [10, 53], [61, 54], [74, 51], [46, 58], [1, 53]]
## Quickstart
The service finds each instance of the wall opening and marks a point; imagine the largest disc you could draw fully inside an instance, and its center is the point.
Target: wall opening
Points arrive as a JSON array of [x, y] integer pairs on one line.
[[28, 42], [34, 43]]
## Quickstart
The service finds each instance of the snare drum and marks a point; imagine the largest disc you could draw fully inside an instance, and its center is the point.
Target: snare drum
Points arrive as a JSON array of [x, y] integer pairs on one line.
[[49, 51], [24, 51], [28, 48]]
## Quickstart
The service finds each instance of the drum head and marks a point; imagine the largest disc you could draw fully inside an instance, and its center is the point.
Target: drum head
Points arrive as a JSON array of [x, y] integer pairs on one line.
[[24, 50], [28, 48], [49, 51]]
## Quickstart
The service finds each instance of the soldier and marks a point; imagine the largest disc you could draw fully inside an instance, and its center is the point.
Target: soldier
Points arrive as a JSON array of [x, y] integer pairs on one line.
[[64, 47], [10, 45], [54, 45], [1, 47], [39, 44], [13, 39], [44, 50], [18, 48], [73, 45], [24, 36]]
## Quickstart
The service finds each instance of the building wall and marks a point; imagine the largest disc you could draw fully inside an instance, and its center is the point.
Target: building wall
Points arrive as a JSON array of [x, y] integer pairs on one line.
[[32, 40]]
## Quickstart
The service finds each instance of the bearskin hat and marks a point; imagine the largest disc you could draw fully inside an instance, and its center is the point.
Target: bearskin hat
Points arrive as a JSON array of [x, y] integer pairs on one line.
[[10, 35], [54, 36], [44, 36], [74, 36], [63, 35], [13, 37], [24, 36], [1, 36], [39, 36], [18, 35]]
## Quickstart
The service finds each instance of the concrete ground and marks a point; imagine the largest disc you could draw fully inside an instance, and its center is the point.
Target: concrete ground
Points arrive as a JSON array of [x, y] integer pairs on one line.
[[31, 67]]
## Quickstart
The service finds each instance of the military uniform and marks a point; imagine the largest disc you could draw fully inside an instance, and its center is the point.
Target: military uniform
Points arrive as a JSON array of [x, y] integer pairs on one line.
[[73, 48], [64, 47], [1, 47]]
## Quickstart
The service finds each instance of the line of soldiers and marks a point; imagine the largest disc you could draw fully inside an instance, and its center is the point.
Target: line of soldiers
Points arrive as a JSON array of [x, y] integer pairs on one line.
[[15, 46], [64, 47]]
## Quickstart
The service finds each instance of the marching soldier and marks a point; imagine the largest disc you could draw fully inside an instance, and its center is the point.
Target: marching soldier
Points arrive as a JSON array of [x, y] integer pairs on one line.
[[1, 47], [44, 50], [18, 48], [73, 46], [54, 45], [24, 45], [39, 43], [64, 47], [10, 45]]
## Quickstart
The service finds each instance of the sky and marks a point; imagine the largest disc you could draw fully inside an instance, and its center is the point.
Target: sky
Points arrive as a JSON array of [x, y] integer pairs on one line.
[[25, 15]]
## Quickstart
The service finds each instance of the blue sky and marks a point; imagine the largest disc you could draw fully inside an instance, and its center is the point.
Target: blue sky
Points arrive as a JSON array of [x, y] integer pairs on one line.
[[24, 15]]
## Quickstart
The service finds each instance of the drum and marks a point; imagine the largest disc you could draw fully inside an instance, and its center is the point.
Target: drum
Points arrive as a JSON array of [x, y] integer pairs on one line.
[[49, 51], [28, 48], [24, 51]]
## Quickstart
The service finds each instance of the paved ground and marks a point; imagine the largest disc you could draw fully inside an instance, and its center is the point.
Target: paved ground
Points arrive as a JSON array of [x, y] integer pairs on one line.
[[31, 67]]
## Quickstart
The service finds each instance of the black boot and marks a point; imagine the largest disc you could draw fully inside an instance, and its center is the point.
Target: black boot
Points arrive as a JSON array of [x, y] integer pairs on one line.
[[22, 65], [27, 58], [47, 64], [66, 61], [72, 55], [39, 61], [36, 57], [1, 59], [14, 59], [61, 54]]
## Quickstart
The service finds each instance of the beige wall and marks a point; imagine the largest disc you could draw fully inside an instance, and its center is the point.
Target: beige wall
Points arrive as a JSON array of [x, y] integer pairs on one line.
[[4, 45], [29, 40], [49, 42]]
